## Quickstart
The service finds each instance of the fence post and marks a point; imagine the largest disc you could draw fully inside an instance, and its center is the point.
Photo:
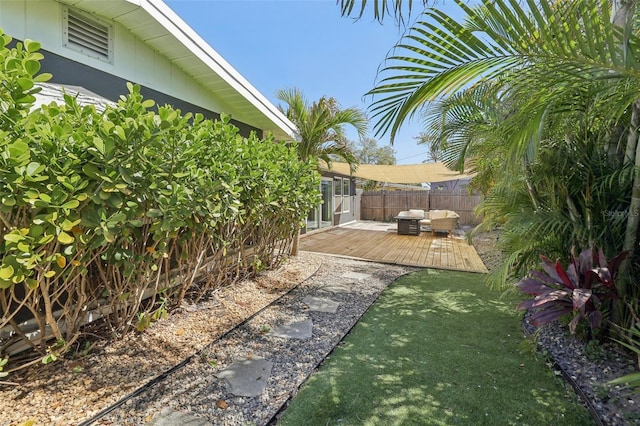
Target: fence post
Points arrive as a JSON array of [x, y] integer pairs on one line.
[[384, 213]]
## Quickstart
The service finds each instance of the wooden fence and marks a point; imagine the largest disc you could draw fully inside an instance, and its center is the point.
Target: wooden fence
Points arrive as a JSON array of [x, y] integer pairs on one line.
[[384, 205]]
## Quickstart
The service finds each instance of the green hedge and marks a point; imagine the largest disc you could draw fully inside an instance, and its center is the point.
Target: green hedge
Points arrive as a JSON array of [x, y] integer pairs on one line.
[[100, 209]]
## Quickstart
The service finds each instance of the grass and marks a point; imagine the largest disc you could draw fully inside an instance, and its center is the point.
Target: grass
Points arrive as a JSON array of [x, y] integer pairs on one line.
[[437, 348]]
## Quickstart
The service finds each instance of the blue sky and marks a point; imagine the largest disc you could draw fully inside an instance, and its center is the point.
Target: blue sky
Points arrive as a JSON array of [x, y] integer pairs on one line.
[[279, 44]]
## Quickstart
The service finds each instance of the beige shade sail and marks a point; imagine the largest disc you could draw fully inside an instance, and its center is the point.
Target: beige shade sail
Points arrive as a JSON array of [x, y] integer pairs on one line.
[[402, 173]]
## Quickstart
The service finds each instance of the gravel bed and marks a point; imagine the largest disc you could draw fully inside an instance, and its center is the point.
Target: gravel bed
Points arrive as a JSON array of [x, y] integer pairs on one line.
[[586, 368], [195, 389], [590, 368]]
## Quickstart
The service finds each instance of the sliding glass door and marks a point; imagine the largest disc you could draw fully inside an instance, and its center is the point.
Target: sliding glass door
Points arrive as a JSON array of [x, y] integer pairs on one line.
[[322, 215]]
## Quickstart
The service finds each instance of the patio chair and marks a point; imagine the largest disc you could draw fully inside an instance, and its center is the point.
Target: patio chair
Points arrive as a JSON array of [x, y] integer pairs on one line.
[[440, 221]]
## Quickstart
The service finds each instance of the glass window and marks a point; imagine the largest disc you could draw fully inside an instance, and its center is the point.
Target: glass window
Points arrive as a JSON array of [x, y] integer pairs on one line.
[[346, 204], [337, 187]]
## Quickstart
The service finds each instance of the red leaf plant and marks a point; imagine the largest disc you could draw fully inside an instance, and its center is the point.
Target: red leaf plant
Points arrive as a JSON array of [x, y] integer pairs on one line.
[[579, 289]]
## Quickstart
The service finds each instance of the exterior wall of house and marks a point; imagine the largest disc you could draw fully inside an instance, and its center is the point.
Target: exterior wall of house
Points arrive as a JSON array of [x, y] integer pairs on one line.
[[132, 60], [338, 204], [344, 206], [450, 185], [66, 71]]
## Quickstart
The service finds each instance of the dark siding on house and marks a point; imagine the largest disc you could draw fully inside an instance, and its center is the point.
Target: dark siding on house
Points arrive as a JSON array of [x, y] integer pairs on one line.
[[67, 71]]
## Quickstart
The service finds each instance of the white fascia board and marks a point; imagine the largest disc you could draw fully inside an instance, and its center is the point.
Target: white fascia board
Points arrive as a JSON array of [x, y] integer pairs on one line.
[[166, 17]]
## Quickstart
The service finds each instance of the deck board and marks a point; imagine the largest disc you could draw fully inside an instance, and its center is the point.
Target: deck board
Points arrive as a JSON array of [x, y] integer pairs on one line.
[[381, 243]]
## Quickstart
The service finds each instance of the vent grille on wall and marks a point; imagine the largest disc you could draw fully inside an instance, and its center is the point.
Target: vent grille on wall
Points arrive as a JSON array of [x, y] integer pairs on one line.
[[87, 35]]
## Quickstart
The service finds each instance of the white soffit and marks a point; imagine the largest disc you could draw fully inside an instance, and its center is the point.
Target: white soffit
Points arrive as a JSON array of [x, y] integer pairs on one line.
[[161, 28]]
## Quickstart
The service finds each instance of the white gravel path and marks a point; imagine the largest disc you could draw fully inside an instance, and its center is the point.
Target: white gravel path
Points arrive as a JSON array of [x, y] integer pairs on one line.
[[195, 391]]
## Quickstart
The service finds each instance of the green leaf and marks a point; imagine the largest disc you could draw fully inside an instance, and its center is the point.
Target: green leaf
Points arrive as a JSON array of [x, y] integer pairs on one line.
[[72, 204], [31, 46], [99, 144], [154, 213], [46, 239], [108, 235], [25, 83], [49, 358], [45, 197], [117, 218], [13, 237], [34, 168], [65, 238], [91, 170], [43, 77], [67, 225], [9, 201], [120, 132], [630, 379], [18, 149], [6, 272], [31, 66]]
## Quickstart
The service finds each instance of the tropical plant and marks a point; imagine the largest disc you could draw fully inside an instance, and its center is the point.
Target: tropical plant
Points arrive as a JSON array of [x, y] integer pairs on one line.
[[320, 130], [631, 342], [320, 126], [561, 72], [581, 289]]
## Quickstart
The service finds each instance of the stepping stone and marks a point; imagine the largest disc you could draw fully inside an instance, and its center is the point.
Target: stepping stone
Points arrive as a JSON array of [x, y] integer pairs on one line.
[[296, 330], [356, 275], [247, 377], [319, 304], [170, 417], [337, 288]]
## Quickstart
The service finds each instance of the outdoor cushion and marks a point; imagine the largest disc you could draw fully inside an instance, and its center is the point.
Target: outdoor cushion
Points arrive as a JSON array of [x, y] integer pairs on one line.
[[437, 214], [416, 213]]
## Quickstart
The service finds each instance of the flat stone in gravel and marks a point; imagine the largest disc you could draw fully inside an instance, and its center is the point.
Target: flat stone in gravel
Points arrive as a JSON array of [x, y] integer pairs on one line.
[[320, 304], [337, 288], [296, 330], [247, 377], [356, 275], [169, 417]]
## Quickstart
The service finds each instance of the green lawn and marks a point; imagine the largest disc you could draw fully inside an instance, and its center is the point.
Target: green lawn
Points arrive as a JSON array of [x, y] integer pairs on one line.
[[437, 348]]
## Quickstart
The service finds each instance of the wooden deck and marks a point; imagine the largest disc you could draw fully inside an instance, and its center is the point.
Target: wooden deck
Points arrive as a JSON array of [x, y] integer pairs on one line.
[[379, 242]]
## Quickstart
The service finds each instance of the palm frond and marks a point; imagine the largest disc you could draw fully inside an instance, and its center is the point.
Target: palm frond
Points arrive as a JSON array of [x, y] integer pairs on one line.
[[398, 10], [320, 126], [554, 45]]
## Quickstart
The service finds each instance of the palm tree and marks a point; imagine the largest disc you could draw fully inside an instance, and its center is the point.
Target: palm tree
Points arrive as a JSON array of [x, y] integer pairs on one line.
[[541, 58], [320, 129], [320, 126]]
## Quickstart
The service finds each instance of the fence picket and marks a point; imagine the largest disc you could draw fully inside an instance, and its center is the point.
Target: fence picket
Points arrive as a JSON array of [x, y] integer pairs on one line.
[[384, 205]]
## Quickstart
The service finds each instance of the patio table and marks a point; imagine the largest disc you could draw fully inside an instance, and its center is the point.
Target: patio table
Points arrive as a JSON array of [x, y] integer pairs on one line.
[[408, 225]]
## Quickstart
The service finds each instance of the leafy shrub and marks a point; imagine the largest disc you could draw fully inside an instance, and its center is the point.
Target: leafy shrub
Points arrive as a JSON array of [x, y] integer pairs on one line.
[[578, 290], [100, 211]]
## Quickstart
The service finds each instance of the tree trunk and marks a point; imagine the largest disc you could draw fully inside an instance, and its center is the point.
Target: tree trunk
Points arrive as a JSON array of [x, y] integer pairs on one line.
[[623, 14], [633, 218], [296, 242]]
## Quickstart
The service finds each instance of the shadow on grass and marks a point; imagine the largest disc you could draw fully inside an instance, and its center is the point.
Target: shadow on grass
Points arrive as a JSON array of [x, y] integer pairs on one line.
[[437, 348]]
